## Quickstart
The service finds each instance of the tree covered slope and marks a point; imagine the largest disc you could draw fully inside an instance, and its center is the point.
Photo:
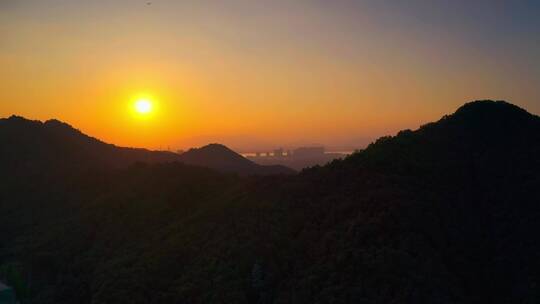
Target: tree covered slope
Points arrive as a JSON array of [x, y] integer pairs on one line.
[[447, 213]]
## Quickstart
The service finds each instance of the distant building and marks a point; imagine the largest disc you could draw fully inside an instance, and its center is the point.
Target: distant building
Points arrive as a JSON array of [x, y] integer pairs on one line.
[[7, 295], [278, 152], [308, 152]]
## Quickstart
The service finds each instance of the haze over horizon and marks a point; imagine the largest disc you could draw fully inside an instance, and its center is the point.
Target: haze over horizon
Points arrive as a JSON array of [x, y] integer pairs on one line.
[[255, 74]]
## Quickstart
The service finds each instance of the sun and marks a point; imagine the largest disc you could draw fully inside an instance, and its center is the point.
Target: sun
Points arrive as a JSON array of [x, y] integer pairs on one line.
[[143, 106]]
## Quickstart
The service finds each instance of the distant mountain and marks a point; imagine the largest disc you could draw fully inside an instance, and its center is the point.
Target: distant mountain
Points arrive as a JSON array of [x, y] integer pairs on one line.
[[222, 158], [447, 213], [57, 145], [54, 145]]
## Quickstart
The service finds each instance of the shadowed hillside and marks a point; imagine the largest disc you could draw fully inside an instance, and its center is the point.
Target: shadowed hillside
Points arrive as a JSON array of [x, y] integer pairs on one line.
[[56, 146], [447, 213]]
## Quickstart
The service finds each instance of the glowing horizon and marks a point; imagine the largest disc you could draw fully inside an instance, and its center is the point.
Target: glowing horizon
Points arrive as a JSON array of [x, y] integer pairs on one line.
[[261, 74]]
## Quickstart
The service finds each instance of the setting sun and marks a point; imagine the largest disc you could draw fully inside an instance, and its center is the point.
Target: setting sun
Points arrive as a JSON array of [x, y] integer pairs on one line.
[[143, 106]]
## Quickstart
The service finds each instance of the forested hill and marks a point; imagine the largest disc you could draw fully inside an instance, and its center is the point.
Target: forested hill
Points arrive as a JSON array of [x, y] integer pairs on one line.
[[447, 213], [27, 145]]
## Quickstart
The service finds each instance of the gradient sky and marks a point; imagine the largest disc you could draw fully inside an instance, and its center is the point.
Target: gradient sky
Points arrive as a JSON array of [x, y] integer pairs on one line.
[[258, 74]]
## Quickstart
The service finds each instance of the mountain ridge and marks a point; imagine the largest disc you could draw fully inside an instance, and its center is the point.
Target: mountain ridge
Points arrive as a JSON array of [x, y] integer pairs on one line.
[[38, 141]]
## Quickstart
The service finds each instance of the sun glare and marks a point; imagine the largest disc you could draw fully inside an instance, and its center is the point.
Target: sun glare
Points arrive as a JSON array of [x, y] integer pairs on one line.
[[143, 106]]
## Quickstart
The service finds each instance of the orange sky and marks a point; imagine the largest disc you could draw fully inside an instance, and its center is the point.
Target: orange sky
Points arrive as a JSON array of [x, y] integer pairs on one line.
[[250, 75]]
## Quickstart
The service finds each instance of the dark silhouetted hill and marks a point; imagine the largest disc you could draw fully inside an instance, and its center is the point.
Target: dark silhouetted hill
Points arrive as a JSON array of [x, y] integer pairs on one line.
[[222, 158], [447, 213], [54, 145]]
